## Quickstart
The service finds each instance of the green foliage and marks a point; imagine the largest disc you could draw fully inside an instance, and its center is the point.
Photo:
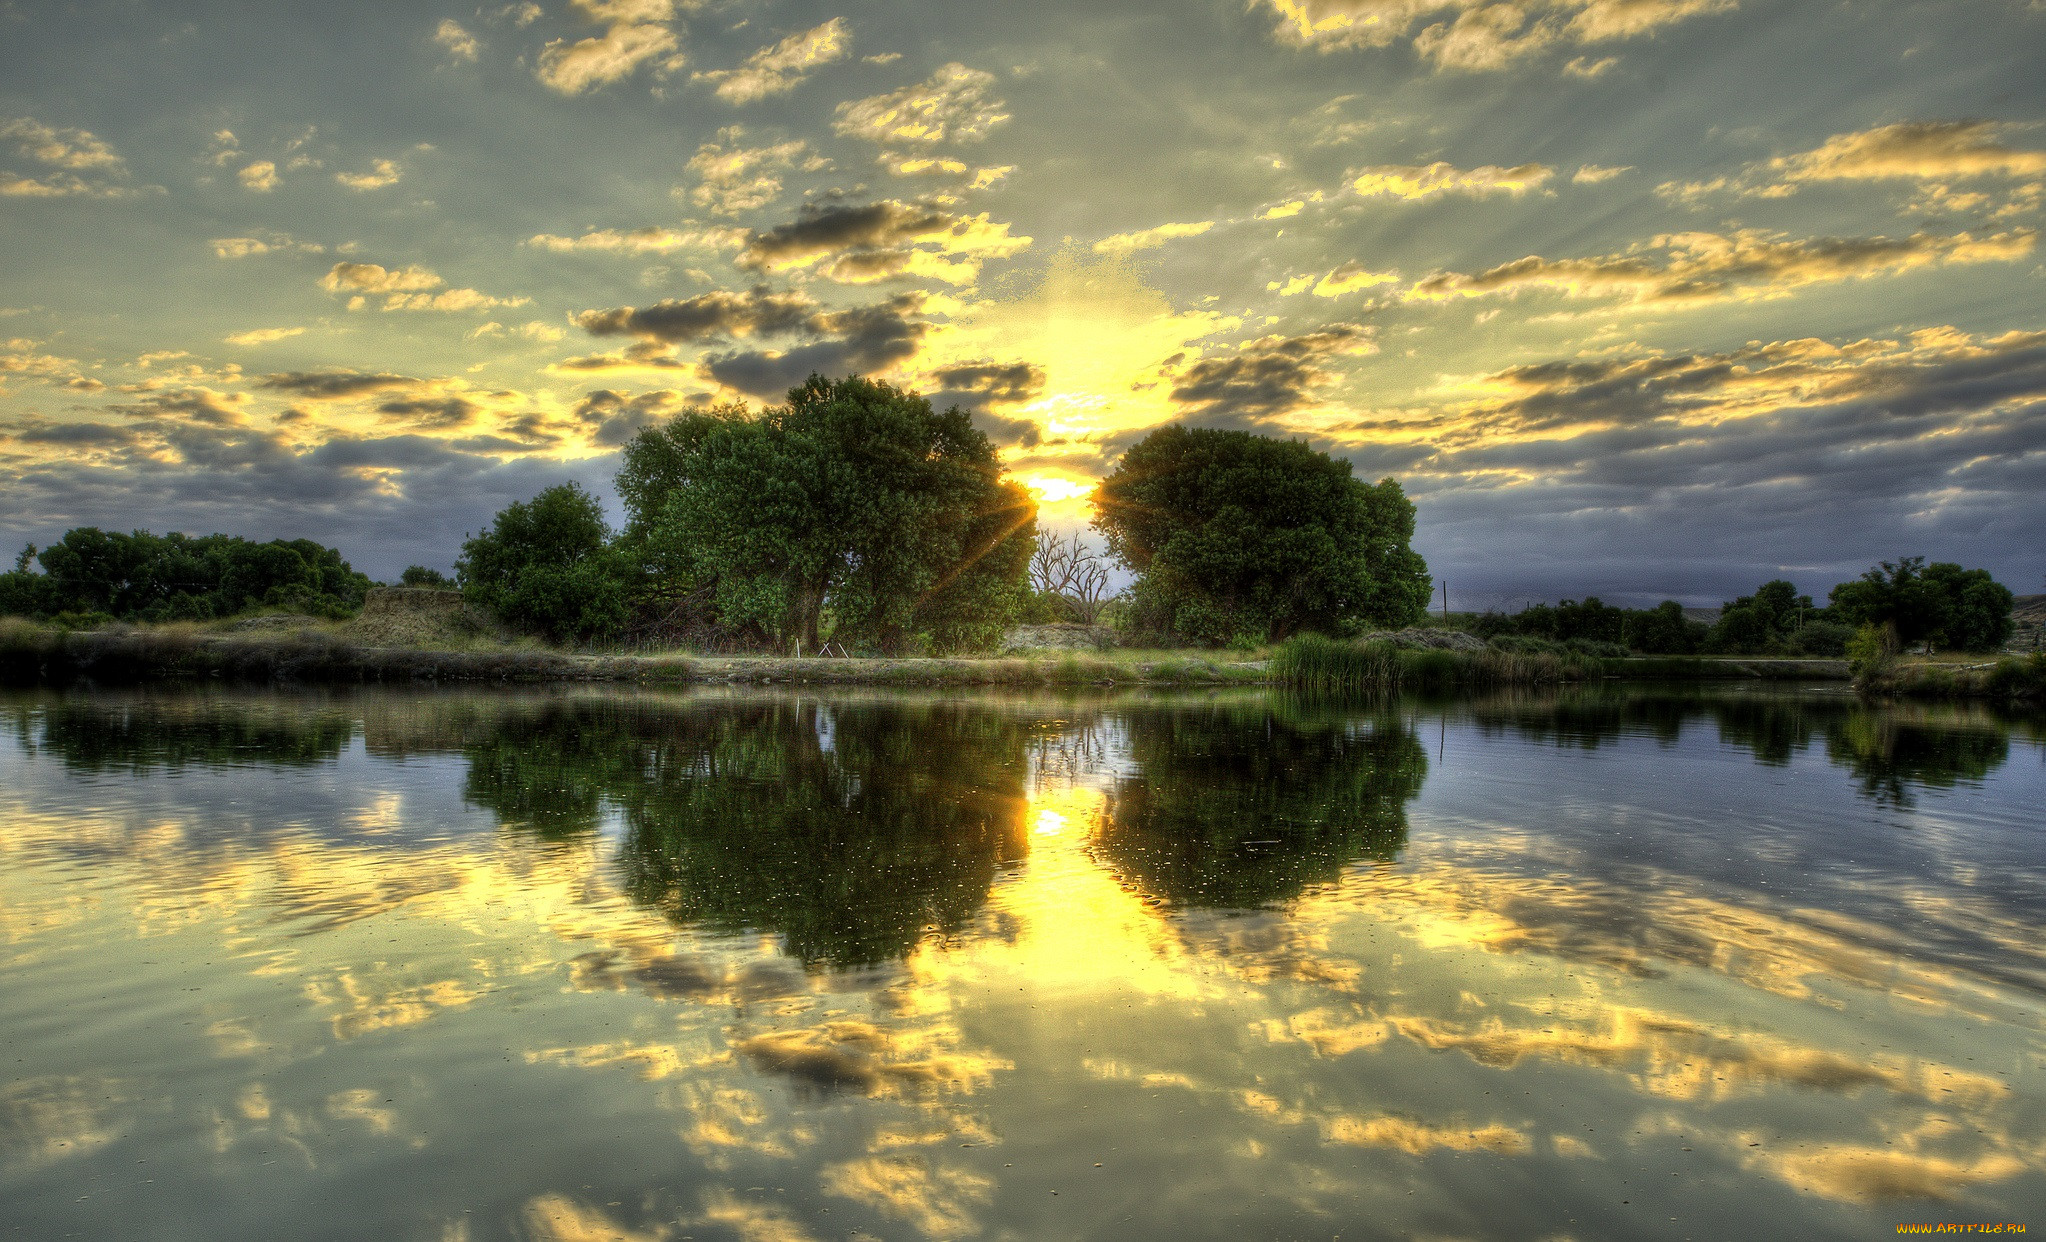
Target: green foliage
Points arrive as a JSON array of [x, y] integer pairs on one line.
[[1321, 665], [1231, 807], [1820, 639], [854, 504], [1238, 534], [1872, 652], [421, 576], [546, 565], [1941, 604], [144, 577], [1662, 630]]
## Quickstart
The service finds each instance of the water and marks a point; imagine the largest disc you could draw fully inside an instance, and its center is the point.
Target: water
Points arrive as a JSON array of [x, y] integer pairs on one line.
[[1624, 963]]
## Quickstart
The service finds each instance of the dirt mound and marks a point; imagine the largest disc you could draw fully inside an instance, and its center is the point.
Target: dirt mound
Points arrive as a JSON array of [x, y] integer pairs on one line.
[[418, 617]]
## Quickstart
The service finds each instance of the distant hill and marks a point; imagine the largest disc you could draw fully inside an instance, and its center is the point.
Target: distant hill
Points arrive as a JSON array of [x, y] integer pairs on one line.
[[2029, 608]]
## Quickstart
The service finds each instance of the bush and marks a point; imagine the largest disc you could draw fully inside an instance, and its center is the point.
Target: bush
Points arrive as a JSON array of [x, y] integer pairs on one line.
[[1872, 652], [421, 576]]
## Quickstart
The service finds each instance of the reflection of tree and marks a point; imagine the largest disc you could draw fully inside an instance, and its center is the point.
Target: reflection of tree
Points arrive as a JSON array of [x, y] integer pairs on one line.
[[142, 735], [1586, 719], [1889, 756], [1248, 807], [850, 831]]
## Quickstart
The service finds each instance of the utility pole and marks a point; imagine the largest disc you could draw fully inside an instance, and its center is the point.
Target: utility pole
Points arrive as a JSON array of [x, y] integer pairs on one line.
[[1445, 601]]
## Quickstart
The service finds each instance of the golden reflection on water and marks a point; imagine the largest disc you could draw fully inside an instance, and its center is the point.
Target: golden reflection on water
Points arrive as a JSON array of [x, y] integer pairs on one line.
[[1704, 1014]]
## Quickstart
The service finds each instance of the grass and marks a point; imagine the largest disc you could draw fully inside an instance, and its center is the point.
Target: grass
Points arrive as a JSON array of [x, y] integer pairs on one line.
[[1324, 665], [2016, 679]]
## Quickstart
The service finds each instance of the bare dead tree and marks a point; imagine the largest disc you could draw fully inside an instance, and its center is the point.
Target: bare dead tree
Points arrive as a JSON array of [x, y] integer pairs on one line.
[[1063, 565]]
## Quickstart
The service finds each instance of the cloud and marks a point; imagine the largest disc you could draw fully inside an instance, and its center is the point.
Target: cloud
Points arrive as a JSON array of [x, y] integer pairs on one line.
[[263, 336], [381, 174], [1478, 35], [783, 67], [1146, 239], [1348, 277], [612, 418], [1920, 150], [259, 176], [882, 239], [406, 288], [460, 44], [1699, 268], [83, 165], [733, 179], [863, 339], [267, 243], [1421, 181], [652, 239], [74, 150], [977, 386], [1937, 156], [954, 105], [442, 413], [334, 385], [757, 312], [1269, 376], [634, 38], [1593, 174], [532, 330]]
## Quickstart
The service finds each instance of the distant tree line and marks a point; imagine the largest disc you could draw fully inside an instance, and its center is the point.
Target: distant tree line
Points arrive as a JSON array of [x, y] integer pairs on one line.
[[92, 574], [1907, 601]]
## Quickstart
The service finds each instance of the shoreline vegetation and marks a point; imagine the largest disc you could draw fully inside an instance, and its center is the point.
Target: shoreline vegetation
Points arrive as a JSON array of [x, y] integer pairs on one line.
[[325, 653]]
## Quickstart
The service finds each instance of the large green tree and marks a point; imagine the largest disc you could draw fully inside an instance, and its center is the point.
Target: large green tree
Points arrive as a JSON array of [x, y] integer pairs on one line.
[[1940, 603], [854, 502], [546, 565], [1235, 535]]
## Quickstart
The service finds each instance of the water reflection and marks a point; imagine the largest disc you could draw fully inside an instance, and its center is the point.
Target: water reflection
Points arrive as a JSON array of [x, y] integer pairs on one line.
[[1614, 963], [1244, 805]]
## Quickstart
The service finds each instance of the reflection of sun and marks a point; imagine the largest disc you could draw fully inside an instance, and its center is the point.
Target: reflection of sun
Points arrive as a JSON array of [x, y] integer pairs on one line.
[[1050, 823]]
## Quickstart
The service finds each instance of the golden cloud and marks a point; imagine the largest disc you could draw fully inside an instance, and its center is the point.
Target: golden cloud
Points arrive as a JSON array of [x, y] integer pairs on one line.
[[783, 67], [953, 105]]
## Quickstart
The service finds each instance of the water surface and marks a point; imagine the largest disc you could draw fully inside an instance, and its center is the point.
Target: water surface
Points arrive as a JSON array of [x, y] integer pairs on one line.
[[761, 966]]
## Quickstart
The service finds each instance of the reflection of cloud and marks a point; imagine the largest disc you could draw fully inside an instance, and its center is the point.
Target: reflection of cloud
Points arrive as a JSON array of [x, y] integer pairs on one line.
[[862, 1057], [558, 1218], [360, 1009], [937, 1199], [753, 1222], [47, 1119], [1850, 1173], [1418, 1138]]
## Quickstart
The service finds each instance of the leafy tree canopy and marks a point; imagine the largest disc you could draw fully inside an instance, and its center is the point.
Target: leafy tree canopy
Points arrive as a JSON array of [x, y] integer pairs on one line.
[[1235, 535], [854, 502], [1940, 603], [144, 577], [546, 565]]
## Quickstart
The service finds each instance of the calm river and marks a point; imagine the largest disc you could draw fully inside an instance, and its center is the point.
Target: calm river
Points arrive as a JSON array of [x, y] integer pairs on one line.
[[1624, 963]]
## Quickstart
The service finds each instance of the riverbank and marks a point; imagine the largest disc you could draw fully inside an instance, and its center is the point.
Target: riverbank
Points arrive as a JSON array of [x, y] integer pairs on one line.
[[36, 655]]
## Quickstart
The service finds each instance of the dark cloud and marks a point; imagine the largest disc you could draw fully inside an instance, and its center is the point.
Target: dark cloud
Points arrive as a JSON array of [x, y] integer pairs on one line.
[[976, 386], [614, 417], [835, 228], [756, 312], [431, 413], [862, 339], [333, 385], [1265, 377], [197, 405]]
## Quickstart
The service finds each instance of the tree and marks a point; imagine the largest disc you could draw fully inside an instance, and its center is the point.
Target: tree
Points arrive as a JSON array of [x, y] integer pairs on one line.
[[1069, 576], [1662, 630], [144, 577], [855, 501], [1235, 535], [545, 565], [1942, 604]]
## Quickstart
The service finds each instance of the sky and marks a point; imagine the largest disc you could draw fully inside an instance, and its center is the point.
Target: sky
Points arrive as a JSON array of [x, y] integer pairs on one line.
[[1638, 298]]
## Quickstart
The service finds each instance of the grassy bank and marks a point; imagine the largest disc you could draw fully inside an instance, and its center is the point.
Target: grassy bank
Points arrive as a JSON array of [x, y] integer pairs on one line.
[[1323, 665], [32, 654], [2012, 679]]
